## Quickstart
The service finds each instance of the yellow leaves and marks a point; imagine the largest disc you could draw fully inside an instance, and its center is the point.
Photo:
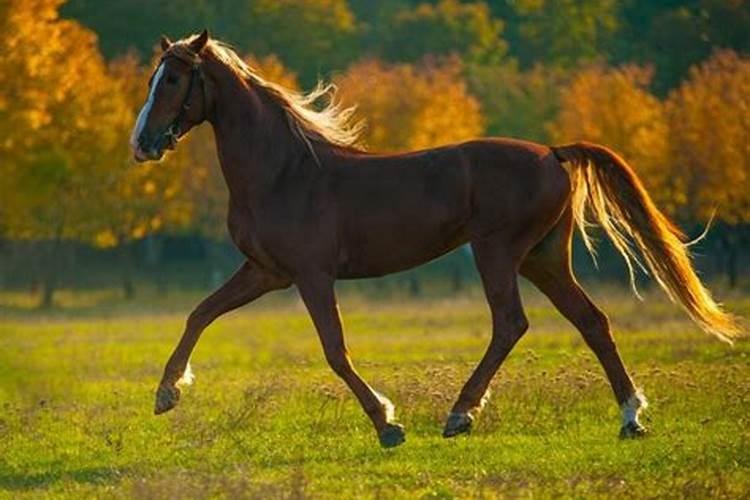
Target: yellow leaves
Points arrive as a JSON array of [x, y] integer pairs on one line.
[[146, 227], [692, 150], [37, 118], [64, 103], [149, 187], [105, 239], [709, 118], [52, 80], [272, 69], [405, 107], [613, 106], [66, 118]]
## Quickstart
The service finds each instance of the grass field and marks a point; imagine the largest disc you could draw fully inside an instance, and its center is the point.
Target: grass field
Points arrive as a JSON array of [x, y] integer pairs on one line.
[[266, 418]]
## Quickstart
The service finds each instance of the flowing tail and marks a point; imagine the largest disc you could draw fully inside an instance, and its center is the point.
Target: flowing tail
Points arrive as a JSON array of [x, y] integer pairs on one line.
[[608, 189]]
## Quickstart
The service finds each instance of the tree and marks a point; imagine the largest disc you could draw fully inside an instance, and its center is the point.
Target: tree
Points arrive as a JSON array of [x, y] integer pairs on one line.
[[709, 119], [406, 107], [673, 35], [132, 201], [612, 106], [57, 113], [562, 32], [448, 27], [312, 37], [518, 103], [135, 25]]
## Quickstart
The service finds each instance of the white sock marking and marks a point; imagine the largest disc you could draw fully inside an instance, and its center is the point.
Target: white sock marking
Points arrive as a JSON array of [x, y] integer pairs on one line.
[[483, 402], [390, 410], [632, 407], [187, 376]]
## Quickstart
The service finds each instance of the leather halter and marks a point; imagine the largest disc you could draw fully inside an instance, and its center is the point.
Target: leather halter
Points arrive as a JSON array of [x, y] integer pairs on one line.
[[172, 134]]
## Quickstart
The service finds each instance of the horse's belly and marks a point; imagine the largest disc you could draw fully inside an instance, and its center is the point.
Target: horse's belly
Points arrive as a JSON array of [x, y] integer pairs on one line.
[[399, 241]]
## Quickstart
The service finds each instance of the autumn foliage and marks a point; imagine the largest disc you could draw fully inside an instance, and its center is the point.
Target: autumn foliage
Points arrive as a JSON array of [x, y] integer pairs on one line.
[[613, 106], [66, 112], [407, 107], [709, 124]]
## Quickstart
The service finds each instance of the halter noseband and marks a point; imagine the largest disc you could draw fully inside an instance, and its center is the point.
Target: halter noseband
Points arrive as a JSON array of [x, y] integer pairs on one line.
[[172, 134]]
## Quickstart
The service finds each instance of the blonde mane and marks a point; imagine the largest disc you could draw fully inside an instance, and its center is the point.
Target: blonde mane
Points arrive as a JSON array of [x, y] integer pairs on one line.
[[315, 116]]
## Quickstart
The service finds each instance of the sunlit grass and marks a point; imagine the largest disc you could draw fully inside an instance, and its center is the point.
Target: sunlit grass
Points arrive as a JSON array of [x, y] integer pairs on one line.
[[266, 418]]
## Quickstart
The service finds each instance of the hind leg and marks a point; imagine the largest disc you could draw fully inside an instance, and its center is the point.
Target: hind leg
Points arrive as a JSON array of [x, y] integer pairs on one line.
[[548, 266], [498, 270]]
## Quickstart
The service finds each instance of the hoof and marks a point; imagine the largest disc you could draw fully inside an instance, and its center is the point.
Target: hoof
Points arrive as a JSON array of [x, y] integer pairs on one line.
[[632, 430], [458, 423], [166, 399], [392, 436]]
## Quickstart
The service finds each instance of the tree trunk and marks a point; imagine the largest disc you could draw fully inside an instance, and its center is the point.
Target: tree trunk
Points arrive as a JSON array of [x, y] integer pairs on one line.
[[50, 273], [126, 271], [729, 243], [48, 291], [732, 262], [154, 247]]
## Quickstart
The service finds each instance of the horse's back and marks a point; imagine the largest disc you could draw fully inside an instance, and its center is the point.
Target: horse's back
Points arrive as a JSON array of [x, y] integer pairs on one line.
[[396, 211], [515, 183]]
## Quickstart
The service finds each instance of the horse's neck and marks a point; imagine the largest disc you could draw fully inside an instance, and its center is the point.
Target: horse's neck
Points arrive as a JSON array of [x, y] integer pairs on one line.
[[253, 139]]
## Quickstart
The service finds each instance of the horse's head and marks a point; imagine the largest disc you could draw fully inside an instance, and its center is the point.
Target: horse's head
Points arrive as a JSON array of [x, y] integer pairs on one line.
[[176, 99]]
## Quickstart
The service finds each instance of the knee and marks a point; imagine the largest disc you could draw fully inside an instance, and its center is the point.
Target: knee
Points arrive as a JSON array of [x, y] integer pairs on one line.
[[595, 320], [339, 362], [521, 325], [508, 332], [596, 330], [197, 320]]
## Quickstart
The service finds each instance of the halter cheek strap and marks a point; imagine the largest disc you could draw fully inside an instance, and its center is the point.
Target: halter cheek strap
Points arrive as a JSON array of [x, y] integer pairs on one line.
[[174, 130], [196, 76]]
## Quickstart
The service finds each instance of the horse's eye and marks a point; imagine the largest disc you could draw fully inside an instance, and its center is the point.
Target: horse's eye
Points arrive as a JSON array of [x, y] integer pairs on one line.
[[171, 79]]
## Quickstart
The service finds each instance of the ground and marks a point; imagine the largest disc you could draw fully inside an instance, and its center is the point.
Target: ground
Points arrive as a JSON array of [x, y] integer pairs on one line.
[[266, 418]]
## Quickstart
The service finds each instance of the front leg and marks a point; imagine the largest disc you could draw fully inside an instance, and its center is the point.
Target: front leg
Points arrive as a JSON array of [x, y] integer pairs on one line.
[[319, 297], [246, 285]]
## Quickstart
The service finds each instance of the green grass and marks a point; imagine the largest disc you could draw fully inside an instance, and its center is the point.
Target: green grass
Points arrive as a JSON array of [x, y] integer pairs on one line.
[[266, 418]]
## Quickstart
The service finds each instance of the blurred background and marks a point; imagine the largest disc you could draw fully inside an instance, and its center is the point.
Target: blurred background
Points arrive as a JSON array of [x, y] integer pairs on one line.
[[666, 84]]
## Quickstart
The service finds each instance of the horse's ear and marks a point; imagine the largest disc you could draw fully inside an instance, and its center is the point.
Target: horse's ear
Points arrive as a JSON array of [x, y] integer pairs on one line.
[[165, 42], [200, 42]]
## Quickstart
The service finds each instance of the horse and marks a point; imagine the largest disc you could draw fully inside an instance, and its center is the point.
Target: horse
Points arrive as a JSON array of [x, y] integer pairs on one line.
[[307, 207]]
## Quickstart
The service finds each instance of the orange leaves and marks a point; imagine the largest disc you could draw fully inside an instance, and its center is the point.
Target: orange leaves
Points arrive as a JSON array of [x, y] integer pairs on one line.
[[272, 69], [66, 124], [709, 119], [65, 115], [692, 149], [55, 89], [613, 106], [406, 107]]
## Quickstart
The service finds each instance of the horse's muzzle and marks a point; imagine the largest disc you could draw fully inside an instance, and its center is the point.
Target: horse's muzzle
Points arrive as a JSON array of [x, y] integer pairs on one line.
[[151, 150]]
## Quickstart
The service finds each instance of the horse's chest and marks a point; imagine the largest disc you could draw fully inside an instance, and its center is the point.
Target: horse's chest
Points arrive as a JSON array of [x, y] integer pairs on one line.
[[249, 239]]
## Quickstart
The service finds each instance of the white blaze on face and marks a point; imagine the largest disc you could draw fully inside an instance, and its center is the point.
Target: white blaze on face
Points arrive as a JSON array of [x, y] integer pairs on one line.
[[143, 115]]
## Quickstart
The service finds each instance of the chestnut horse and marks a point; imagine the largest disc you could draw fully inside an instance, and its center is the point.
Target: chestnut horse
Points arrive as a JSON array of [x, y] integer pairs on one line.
[[307, 207]]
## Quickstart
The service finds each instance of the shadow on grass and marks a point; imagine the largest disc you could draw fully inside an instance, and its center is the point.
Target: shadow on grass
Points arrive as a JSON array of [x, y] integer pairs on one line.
[[12, 481]]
